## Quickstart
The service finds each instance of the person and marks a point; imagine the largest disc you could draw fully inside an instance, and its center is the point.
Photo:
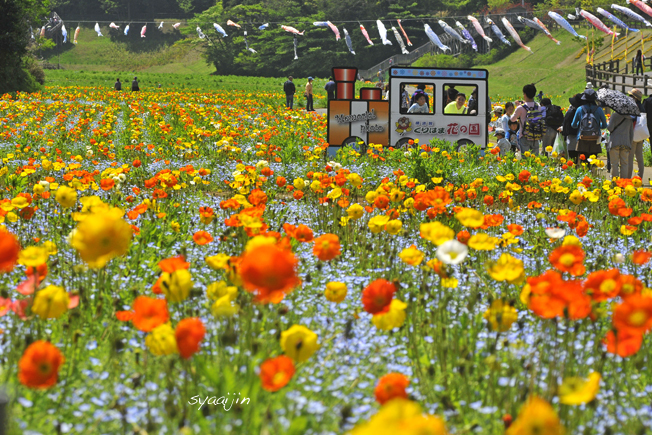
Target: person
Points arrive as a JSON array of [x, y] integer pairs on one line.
[[588, 141], [621, 129], [540, 96], [420, 106], [512, 135], [554, 120], [450, 94], [421, 90], [405, 99], [134, 85], [638, 62], [530, 120], [497, 112], [473, 103], [503, 144], [509, 111], [637, 146], [290, 90], [567, 130], [118, 85], [330, 88], [308, 95], [457, 106], [386, 92]]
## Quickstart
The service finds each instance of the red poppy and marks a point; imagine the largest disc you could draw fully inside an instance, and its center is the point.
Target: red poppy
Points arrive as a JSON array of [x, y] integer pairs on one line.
[[603, 284], [377, 296], [202, 237], [269, 272], [641, 257], [9, 249], [623, 343], [569, 258], [189, 333], [391, 386], [633, 315], [39, 365], [276, 373], [326, 247], [149, 313]]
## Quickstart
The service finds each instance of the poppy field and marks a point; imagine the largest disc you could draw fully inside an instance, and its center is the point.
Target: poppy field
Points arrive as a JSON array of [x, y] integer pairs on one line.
[[194, 263]]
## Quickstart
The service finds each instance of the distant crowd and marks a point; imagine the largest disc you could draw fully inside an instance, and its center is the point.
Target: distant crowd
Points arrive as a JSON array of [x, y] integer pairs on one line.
[[528, 125]]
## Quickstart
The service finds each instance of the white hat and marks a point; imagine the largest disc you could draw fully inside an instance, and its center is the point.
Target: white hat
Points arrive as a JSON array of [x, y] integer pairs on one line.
[[499, 131], [589, 85]]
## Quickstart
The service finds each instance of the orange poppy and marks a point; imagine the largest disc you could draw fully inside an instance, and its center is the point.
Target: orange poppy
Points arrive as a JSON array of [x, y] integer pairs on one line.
[[569, 258], [269, 272], [304, 234], [172, 264], [641, 257], [623, 343], [149, 313], [391, 386], [326, 247], [633, 315], [257, 197], [618, 207], [630, 285], [524, 176], [298, 194], [603, 284], [551, 296], [9, 249], [189, 333], [463, 236], [377, 296], [515, 229], [124, 316], [582, 228], [381, 202], [276, 373], [280, 181], [39, 365], [202, 237], [107, 183]]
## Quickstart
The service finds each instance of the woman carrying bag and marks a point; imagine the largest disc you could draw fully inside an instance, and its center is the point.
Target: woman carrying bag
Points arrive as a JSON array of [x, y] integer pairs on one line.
[[589, 119]]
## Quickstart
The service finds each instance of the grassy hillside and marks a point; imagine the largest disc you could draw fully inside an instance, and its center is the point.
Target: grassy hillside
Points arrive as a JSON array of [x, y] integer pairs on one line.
[[557, 70], [166, 51], [553, 68]]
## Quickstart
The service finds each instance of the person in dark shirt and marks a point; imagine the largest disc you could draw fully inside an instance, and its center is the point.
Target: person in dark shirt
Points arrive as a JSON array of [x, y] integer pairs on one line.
[[290, 90], [118, 85], [134, 85], [330, 88]]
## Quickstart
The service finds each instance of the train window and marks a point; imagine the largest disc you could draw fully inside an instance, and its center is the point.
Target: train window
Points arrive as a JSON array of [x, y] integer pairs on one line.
[[411, 93], [460, 99]]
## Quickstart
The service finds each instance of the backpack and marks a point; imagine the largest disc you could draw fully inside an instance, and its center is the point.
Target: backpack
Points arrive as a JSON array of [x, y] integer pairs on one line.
[[554, 117], [589, 127], [534, 122]]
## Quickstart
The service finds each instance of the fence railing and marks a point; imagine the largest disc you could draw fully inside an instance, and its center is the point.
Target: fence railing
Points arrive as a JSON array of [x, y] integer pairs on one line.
[[609, 73]]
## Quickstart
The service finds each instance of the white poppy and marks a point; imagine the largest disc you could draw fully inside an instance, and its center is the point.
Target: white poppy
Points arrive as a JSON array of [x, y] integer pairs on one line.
[[555, 233], [452, 252], [619, 258]]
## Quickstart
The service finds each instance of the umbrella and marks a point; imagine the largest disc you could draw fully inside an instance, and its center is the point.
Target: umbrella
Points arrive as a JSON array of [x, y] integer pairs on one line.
[[619, 102]]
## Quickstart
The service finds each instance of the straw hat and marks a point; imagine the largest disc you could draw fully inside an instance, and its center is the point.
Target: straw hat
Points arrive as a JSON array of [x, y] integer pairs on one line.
[[636, 93]]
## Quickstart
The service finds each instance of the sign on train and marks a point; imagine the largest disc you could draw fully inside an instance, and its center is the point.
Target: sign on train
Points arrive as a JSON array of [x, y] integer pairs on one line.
[[394, 122]]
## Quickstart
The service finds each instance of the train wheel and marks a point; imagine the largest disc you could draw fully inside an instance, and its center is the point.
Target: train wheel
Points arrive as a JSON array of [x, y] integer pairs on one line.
[[356, 143], [404, 143], [462, 145]]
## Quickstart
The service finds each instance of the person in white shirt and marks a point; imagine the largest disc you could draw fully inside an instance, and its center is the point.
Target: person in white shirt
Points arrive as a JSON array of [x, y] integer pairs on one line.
[[419, 106]]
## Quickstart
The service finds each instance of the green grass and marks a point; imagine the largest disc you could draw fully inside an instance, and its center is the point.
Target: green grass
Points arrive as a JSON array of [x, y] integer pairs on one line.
[[553, 68], [160, 52]]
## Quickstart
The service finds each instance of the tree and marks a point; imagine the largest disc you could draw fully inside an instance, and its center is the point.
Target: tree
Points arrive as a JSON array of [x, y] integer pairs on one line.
[[16, 18]]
